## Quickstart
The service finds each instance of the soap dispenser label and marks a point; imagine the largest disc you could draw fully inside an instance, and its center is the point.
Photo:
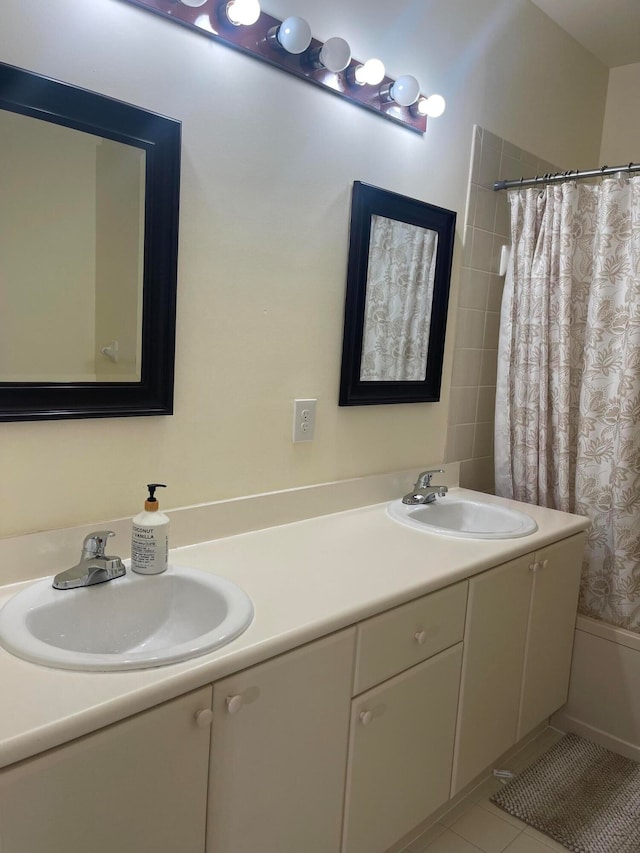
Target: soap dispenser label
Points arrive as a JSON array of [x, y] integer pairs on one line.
[[149, 549]]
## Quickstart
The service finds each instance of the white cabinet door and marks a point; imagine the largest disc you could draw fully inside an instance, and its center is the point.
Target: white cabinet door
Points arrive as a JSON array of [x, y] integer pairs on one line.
[[494, 644], [552, 617], [401, 752], [279, 752], [518, 646], [138, 786]]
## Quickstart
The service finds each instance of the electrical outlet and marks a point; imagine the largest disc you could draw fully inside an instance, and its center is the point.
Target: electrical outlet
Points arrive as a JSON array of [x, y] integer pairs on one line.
[[304, 420]]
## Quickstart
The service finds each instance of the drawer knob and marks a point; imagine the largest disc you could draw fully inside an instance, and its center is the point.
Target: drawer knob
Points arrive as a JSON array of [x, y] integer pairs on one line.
[[420, 637], [545, 563], [204, 718], [534, 567], [234, 703], [366, 717]]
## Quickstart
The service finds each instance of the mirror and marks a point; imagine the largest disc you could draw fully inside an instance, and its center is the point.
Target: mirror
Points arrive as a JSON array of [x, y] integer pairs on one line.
[[88, 253], [399, 268]]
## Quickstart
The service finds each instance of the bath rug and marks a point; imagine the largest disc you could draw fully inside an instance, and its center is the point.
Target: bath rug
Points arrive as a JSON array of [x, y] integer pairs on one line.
[[580, 794]]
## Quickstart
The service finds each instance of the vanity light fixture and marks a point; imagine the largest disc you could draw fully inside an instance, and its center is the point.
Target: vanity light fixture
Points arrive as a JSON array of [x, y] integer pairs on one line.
[[433, 106], [292, 35], [369, 73], [405, 91], [242, 13], [334, 55], [289, 45]]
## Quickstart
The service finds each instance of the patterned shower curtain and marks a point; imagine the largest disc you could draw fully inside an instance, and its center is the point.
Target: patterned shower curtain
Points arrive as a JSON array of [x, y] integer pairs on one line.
[[568, 397]]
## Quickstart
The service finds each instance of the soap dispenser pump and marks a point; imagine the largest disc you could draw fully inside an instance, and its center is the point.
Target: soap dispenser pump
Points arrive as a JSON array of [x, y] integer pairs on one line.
[[150, 536]]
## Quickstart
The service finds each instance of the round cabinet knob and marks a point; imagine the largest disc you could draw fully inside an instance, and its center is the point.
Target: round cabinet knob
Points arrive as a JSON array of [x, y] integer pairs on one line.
[[534, 567], [366, 717], [234, 703], [420, 637], [204, 718], [545, 563]]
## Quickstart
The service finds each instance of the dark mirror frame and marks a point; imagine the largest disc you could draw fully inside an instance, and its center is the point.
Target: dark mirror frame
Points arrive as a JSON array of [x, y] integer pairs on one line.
[[367, 201], [160, 137]]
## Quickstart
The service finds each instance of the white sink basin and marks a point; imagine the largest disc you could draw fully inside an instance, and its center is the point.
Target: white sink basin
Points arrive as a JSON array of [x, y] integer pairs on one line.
[[133, 622], [464, 518]]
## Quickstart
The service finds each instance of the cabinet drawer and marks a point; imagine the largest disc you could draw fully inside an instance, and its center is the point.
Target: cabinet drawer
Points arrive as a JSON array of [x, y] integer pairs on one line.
[[394, 641]]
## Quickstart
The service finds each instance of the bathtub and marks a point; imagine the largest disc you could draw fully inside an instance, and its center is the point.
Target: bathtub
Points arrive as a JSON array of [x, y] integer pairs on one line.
[[604, 690]]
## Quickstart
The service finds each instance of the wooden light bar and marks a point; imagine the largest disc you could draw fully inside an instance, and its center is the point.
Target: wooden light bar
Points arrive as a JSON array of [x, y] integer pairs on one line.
[[210, 20]]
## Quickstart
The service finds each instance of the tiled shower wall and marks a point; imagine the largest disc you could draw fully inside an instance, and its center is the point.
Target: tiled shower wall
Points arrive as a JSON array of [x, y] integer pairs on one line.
[[473, 384]]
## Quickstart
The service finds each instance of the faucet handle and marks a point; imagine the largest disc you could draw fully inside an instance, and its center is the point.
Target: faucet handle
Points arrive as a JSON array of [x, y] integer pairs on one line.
[[424, 478], [94, 544]]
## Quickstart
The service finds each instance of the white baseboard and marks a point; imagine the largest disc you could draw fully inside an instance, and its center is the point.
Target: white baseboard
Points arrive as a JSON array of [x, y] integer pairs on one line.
[[570, 724]]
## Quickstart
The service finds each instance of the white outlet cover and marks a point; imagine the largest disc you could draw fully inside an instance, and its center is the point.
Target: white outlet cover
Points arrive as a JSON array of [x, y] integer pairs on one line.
[[304, 420]]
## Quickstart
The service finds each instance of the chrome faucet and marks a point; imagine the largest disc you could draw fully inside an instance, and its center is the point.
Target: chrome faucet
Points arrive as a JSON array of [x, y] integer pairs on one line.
[[94, 566], [423, 492]]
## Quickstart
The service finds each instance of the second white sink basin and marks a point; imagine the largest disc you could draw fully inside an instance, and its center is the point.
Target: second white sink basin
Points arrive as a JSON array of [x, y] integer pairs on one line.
[[133, 622], [464, 518]]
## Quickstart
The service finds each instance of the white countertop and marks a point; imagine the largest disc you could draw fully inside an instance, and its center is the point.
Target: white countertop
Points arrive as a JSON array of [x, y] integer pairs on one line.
[[306, 579]]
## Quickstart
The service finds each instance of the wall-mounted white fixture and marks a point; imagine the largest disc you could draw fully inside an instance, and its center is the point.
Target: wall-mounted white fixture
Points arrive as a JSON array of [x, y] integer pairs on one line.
[[505, 256], [292, 35], [242, 13], [290, 46], [334, 55], [111, 351], [405, 91]]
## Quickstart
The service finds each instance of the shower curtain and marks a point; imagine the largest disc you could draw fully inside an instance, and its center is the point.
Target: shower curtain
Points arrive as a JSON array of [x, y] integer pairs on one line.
[[568, 396], [400, 279]]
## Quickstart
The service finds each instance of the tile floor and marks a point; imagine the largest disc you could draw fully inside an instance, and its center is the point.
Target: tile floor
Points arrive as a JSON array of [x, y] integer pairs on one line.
[[475, 824]]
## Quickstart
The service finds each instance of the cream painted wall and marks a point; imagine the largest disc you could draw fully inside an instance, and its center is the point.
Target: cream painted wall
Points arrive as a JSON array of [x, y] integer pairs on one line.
[[47, 251], [268, 164], [621, 132], [120, 189]]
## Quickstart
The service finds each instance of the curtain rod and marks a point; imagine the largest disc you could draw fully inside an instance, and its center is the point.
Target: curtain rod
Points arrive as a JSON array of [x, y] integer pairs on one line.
[[557, 177]]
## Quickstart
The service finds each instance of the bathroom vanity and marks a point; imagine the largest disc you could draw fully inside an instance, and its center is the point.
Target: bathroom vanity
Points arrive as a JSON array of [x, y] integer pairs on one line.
[[385, 671]]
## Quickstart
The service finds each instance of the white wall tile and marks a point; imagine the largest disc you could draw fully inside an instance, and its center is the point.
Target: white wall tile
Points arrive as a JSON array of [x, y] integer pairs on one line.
[[485, 213], [482, 250], [472, 327], [463, 403], [474, 289], [466, 367], [491, 330]]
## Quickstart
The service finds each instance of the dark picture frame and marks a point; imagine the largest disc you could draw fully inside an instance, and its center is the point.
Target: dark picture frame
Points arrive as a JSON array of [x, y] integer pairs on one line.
[[366, 202]]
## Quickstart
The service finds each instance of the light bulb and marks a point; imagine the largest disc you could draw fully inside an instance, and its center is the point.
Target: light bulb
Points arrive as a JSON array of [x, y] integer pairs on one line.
[[370, 74], [193, 3], [405, 91], [335, 54], [434, 105], [242, 12], [293, 34]]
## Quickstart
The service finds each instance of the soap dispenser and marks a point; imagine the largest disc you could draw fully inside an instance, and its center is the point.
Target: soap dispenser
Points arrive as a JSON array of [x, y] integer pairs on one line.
[[150, 537]]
